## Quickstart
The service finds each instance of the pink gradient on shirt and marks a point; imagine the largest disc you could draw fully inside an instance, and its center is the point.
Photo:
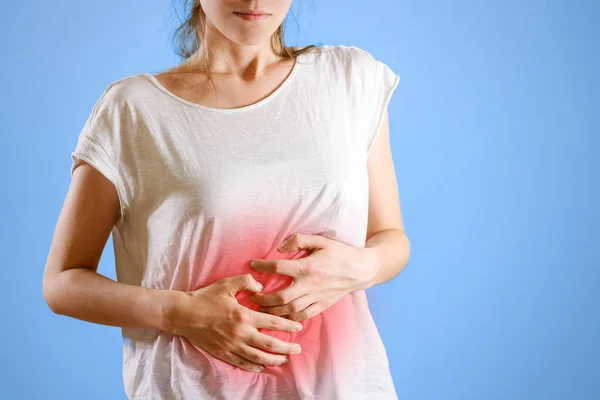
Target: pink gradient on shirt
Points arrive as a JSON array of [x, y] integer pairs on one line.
[[314, 363]]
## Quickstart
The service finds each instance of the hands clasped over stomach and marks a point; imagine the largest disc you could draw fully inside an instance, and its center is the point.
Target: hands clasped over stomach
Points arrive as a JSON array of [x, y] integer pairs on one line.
[[212, 319]]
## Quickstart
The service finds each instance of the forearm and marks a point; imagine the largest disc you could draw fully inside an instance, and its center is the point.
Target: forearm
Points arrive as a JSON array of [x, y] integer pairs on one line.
[[388, 252], [86, 295]]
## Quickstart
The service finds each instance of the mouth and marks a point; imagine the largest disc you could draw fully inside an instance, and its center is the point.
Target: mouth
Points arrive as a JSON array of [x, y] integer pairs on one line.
[[252, 15]]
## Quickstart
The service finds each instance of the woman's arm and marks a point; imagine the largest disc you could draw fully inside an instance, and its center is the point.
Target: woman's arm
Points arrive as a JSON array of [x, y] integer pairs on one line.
[[387, 242], [71, 285], [209, 317], [333, 269]]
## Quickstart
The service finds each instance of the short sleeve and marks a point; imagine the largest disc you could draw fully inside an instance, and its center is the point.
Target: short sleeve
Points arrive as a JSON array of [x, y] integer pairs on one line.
[[372, 84], [385, 83], [100, 144]]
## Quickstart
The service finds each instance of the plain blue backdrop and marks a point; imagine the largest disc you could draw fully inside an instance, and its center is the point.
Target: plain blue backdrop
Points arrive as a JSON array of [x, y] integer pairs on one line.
[[494, 129]]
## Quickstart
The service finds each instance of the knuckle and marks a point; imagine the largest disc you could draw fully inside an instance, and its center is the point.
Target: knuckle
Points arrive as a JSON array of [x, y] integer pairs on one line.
[[306, 269], [240, 316], [311, 268], [275, 323], [294, 307], [244, 365], [300, 316], [277, 267], [282, 297], [270, 344], [258, 358]]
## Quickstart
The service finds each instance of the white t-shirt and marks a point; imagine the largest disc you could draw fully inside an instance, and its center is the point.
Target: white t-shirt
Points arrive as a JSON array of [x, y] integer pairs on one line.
[[203, 191]]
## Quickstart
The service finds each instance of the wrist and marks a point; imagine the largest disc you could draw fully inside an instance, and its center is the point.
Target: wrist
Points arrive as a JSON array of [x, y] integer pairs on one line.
[[369, 266], [172, 307]]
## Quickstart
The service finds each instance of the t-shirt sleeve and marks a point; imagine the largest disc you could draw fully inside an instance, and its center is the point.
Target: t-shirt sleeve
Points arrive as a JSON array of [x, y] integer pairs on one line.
[[101, 144], [384, 85], [374, 83]]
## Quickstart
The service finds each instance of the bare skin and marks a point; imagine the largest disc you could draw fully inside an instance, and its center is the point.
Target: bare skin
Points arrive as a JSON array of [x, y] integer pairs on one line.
[[230, 90], [386, 237], [241, 61]]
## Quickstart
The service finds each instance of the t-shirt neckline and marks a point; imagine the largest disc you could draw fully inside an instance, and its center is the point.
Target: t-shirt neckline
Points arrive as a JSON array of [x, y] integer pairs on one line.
[[273, 94]]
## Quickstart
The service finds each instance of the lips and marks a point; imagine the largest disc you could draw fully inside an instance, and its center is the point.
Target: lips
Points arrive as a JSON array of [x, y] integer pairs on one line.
[[251, 15], [254, 12]]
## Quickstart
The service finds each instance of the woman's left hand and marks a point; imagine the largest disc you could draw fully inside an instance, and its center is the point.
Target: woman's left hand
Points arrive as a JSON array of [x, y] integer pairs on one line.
[[321, 279]]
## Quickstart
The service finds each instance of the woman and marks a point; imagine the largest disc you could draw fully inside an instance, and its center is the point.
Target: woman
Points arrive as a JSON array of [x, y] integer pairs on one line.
[[206, 167]]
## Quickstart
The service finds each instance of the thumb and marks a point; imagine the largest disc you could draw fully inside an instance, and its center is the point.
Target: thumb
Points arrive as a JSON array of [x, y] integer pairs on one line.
[[243, 282]]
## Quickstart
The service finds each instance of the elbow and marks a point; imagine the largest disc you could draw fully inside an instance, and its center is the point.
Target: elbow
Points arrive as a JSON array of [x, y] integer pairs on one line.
[[407, 248], [51, 293]]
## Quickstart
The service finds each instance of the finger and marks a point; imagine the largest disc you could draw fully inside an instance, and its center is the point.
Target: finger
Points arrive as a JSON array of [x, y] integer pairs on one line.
[[274, 322], [307, 313], [279, 298], [242, 282], [293, 307], [238, 361], [260, 357], [304, 241], [269, 343], [282, 267]]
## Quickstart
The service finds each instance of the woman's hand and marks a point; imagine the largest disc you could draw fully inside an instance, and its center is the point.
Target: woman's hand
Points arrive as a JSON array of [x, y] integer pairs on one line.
[[331, 271], [212, 319]]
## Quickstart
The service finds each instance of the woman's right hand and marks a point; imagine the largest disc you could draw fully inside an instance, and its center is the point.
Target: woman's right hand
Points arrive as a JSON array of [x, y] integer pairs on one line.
[[212, 319]]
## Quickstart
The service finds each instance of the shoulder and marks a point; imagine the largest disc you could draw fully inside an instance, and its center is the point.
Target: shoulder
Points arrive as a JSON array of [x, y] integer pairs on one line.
[[355, 64], [352, 61], [123, 90], [352, 55], [120, 97]]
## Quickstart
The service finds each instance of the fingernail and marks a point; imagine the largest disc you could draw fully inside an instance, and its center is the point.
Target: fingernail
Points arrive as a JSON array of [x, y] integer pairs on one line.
[[260, 287], [298, 327], [282, 245], [287, 360], [296, 349], [261, 369]]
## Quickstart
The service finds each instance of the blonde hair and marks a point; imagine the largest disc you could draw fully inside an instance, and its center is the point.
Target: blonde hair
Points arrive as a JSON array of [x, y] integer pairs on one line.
[[189, 37]]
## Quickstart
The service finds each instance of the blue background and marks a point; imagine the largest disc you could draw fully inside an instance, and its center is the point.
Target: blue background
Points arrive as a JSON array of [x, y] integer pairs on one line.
[[494, 129]]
